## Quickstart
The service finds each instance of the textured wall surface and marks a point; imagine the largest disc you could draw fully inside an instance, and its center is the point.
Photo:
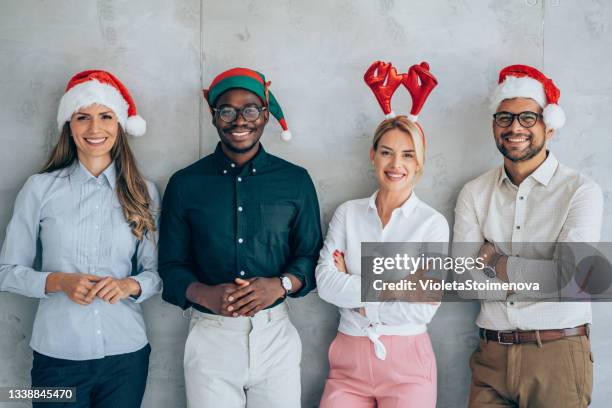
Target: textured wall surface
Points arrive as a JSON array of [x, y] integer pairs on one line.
[[315, 53]]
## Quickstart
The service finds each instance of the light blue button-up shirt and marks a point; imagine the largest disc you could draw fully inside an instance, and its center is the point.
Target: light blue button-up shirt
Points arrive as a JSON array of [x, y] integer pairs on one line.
[[81, 227]]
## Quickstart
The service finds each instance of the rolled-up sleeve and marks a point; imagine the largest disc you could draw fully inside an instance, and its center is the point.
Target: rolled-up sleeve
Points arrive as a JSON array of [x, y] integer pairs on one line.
[[305, 239], [175, 264], [19, 248]]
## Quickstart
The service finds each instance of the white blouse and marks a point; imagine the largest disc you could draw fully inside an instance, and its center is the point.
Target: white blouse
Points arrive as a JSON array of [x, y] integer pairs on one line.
[[357, 221]]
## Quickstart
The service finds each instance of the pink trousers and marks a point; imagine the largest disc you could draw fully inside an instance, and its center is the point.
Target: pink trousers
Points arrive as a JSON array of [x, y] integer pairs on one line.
[[358, 379]]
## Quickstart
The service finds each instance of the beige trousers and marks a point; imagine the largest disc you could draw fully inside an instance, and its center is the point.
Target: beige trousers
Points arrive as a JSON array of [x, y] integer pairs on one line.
[[251, 362], [559, 374]]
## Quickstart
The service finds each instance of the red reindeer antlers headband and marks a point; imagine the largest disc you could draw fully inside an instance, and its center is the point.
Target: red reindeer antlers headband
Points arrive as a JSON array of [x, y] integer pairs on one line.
[[383, 80]]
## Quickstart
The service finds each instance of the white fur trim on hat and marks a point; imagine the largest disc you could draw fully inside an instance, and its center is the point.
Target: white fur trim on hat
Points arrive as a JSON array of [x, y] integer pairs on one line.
[[514, 87], [413, 118], [136, 126], [88, 93], [554, 117], [390, 115]]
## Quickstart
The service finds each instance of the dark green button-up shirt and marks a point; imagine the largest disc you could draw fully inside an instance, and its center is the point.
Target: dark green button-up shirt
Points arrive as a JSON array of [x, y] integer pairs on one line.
[[220, 222]]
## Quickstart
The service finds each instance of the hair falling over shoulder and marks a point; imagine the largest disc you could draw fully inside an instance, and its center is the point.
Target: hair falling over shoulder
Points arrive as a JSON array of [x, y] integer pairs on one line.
[[131, 188]]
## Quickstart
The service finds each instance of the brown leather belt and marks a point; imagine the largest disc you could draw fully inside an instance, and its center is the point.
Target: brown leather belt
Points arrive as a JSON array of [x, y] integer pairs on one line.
[[530, 336]]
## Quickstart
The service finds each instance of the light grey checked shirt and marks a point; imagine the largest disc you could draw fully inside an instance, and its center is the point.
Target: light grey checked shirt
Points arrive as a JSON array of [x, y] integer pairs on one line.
[[81, 227], [554, 204]]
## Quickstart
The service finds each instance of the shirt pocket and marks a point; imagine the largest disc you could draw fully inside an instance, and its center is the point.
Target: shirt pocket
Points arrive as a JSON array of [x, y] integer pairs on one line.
[[270, 247], [274, 221]]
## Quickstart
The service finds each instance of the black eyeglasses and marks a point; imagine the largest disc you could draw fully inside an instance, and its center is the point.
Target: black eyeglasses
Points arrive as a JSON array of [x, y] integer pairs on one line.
[[229, 114], [526, 119]]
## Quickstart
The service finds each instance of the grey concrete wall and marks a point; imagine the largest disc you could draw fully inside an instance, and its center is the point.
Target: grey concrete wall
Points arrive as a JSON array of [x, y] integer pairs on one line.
[[315, 53]]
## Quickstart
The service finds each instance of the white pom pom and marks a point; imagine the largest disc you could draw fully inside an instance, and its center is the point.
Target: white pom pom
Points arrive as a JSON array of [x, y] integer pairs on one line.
[[136, 126], [554, 117], [390, 115], [413, 118], [286, 136]]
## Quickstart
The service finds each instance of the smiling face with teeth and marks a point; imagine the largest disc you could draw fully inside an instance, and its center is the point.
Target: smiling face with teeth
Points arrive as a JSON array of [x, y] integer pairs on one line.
[[94, 130], [517, 143], [240, 138], [395, 161]]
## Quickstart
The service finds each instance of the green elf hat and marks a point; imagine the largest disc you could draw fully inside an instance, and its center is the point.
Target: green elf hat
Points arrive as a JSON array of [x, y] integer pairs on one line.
[[250, 80]]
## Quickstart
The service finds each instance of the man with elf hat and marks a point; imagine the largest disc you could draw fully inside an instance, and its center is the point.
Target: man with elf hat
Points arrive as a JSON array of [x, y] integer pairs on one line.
[[240, 232], [531, 354]]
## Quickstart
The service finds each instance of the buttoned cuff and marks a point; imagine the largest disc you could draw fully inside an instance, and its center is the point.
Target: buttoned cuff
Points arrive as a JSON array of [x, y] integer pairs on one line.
[[148, 287], [175, 291], [38, 285], [305, 286]]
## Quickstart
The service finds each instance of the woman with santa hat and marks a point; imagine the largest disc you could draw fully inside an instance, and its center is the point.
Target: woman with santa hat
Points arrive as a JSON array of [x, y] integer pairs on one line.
[[95, 219]]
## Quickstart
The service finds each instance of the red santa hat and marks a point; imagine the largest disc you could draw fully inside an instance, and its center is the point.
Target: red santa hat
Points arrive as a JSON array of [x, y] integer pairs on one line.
[[103, 88], [523, 81]]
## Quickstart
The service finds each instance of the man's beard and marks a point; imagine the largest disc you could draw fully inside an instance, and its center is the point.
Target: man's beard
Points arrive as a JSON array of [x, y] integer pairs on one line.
[[530, 152], [239, 150]]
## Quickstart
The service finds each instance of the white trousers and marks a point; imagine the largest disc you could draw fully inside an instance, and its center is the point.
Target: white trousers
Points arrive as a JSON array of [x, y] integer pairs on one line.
[[251, 362]]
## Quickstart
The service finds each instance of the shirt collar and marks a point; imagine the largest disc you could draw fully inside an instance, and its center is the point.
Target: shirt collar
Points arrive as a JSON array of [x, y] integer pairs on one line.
[[226, 165], [545, 171], [542, 174], [406, 208], [79, 173]]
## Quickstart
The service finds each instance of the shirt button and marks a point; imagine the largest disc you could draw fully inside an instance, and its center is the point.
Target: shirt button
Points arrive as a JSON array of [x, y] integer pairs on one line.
[[240, 240], [518, 227], [99, 332], [241, 273], [521, 197], [95, 226], [254, 170], [239, 179], [233, 165], [511, 303], [240, 209], [96, 311], [224, 171]]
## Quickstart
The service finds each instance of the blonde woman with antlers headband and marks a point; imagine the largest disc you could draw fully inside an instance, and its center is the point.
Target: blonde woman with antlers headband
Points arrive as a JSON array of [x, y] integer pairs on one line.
[[382, 356]]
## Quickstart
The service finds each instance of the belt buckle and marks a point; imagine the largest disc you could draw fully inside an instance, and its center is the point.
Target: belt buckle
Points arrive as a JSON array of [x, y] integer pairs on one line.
[[499, 340]]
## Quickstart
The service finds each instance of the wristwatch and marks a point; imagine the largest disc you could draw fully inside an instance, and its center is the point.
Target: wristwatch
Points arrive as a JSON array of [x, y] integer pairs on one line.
[[489, 270], [286, 284]]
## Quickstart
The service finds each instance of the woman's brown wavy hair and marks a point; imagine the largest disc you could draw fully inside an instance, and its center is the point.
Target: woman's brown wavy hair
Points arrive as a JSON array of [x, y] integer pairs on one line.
[[131, 188]]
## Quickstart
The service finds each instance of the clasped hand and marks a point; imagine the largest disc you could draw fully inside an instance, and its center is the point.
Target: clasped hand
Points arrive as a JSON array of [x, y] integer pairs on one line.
[[83, 288], [244, 297]]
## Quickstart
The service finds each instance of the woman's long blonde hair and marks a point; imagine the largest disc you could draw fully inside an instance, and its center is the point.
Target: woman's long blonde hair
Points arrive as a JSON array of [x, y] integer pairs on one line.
[[131, 188]]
